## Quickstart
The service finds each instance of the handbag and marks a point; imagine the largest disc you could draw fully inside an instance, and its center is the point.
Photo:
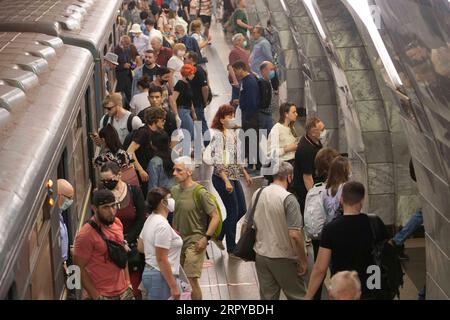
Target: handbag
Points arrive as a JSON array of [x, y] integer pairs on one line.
[[244, 247], [129, 176], [116, 251], [136, 260]]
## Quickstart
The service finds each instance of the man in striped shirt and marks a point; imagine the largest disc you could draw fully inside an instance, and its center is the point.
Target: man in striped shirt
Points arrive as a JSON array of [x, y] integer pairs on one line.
[[202, 9]]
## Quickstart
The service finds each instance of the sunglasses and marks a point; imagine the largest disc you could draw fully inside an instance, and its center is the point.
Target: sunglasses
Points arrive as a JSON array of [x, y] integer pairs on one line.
[[109, 108]]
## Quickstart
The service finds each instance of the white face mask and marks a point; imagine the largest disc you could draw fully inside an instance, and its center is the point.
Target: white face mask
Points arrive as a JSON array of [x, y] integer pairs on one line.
[[181, 54], [323, 135], [170, 205], [230, 123], [66, 205]]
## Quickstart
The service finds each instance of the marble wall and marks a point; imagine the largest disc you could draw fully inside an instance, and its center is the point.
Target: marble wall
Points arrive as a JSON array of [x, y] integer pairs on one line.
[[412, 27]]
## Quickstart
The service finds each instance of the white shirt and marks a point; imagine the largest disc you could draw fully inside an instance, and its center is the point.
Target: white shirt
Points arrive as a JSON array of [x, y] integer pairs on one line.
[[141, 43], [279, 137], [175, 64], [154, 33], [139, 102], [121, 124], [157, 232]]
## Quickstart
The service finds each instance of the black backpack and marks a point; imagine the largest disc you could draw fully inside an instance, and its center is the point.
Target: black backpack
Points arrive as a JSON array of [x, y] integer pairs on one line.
[[131, 132], [386, 258], [265, 93]]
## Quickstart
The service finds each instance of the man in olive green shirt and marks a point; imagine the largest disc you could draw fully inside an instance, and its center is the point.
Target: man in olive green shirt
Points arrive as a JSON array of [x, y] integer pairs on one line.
[[239, 19], [191, 222]]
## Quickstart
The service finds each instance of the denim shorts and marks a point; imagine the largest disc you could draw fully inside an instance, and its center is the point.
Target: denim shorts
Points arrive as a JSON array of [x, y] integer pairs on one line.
[[155, 284]]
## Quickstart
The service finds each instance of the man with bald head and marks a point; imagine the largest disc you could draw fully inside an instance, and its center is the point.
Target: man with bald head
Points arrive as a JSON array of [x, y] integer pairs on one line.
[[65, 200]]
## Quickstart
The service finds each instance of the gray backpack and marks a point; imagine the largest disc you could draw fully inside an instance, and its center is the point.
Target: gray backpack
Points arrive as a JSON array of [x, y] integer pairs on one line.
[[315, 215]]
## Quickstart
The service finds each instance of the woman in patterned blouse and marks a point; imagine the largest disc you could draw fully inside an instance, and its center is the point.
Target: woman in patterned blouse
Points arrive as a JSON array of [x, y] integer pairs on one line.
[[113, 148], [227, 171]]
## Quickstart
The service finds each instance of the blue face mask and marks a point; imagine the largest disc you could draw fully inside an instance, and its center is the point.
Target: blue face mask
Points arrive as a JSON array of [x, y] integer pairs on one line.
[[66, 205], [272, 74]]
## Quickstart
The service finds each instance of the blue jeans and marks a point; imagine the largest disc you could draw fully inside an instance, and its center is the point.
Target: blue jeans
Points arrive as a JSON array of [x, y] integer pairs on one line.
[[413, 223], [234, 203], [155, 284], [265, 121], [200, 112], [186, 121]]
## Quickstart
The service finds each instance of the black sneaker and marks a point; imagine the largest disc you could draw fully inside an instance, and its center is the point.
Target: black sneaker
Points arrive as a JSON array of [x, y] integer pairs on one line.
[[400, 250]]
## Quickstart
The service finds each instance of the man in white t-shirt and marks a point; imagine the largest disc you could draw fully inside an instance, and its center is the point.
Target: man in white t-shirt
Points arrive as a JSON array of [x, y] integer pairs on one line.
[[118, 117]]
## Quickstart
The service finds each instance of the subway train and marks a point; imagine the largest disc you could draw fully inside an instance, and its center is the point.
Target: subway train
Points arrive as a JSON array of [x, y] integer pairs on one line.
[[51, 88]]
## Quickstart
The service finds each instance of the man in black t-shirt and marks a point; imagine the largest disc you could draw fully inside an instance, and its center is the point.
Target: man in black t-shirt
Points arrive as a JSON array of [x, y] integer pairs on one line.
[[304, 170], [200, 89], [140, 148], [155, 98], [149, 69], [346, 242]]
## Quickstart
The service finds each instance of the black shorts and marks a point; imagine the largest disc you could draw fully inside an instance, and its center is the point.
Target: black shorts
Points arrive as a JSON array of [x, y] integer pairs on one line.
[[206, 20]]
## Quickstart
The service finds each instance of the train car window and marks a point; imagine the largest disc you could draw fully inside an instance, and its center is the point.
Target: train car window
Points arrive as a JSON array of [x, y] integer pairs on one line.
[[62, 166], [114, 34], [78, 163]]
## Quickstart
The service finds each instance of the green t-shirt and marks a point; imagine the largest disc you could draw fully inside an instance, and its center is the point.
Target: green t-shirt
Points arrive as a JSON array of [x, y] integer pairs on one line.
[[190, 222], [239, 15]]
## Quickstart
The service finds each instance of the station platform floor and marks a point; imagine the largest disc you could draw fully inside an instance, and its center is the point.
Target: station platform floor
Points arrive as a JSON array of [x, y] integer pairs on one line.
[[225, 278]]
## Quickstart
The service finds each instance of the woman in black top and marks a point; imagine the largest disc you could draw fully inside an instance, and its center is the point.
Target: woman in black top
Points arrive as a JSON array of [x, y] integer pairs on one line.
[[182, 98]]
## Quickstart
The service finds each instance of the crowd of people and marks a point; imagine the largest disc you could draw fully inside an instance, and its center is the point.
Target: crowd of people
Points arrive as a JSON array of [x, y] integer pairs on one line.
[[152, 222]]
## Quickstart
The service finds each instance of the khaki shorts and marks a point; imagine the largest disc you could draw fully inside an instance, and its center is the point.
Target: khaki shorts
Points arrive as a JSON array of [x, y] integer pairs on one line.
[[192, 261]]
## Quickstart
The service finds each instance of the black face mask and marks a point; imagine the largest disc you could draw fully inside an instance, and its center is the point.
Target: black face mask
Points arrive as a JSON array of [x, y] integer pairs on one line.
[[110, 184]]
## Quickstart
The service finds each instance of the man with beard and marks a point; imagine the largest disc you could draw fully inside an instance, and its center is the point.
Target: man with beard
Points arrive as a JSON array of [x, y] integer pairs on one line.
[[149, 69], [102, 279]]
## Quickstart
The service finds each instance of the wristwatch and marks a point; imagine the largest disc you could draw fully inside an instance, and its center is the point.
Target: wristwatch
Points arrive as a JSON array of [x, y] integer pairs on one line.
[[208, 237]]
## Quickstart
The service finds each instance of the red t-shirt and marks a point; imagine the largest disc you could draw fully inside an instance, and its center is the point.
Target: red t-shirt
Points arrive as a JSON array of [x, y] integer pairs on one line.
[[163, 57], [108, 279]]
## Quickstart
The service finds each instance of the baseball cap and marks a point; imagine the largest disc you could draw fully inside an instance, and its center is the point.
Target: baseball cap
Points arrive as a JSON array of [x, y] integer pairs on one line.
[[103, 196]]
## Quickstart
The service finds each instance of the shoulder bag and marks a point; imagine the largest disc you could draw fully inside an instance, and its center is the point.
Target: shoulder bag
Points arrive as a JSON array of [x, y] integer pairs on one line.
[[116, 251], [244, 247]]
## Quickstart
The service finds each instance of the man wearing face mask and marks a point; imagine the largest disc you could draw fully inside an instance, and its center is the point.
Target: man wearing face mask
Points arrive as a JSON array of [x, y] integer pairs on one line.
[[65, 200], [102, 279], [280, 250], [269, 98], [131, 213], [189, 41], [200, 89], [163, 79], [304, 170]]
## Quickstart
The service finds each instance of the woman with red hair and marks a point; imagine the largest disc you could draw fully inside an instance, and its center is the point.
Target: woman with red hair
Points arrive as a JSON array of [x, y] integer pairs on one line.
[[228, 169], [181, 99]]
